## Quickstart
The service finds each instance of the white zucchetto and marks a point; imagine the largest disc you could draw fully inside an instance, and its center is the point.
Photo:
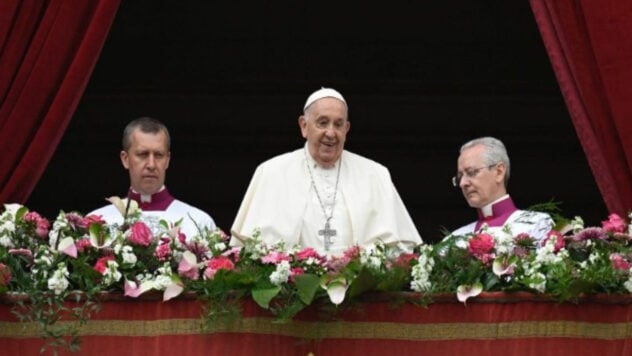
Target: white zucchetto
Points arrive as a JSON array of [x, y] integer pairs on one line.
[[323, 93]]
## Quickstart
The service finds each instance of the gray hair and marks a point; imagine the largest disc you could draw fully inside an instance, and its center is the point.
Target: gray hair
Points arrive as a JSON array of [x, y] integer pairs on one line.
[[146, 125], [495, 152]]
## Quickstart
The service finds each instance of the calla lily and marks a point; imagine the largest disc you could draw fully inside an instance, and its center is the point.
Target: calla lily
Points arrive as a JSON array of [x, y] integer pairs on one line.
[[336, 289], [94, 240], [173, 290], [463, 292], [12, 208], [188, 265], [132, 289], [67, 246], [503, 265], [121, 205]]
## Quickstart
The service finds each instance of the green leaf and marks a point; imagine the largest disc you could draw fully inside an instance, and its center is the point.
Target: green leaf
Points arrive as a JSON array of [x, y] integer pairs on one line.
[[364, 282], [307, 284], [20, 213], [263, 296]]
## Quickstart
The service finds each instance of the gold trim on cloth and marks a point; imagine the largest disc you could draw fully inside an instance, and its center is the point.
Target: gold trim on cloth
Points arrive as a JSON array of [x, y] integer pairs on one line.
[[341, 329]]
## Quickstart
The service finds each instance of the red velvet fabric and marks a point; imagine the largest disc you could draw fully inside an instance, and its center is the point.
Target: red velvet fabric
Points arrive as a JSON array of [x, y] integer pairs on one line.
[[590, 47], [492, 323], [48, 50]]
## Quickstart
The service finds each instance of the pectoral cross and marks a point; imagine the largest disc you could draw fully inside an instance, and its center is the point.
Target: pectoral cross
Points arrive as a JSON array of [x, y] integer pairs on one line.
[[327, 234]]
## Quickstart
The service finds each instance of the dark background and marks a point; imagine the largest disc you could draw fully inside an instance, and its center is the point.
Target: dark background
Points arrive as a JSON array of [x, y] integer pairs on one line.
[[230, 79]]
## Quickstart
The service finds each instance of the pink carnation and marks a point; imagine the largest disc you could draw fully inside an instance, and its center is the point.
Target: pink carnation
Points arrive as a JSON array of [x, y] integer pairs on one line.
[[163, 252], [141, 234], [613, 224], [83, 244], [481, 246], [275, 257], [559, 240], [93, 219], [217, 263], [619, 263], [102, 264], [306, 253], [41, 225]]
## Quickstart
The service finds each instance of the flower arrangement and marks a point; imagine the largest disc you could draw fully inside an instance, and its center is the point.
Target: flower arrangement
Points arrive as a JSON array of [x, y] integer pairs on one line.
[[565, 265], [79, 257]]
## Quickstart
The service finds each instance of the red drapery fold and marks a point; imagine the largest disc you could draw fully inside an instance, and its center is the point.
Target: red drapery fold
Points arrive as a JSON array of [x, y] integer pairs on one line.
[[48, 50], [590, 47]]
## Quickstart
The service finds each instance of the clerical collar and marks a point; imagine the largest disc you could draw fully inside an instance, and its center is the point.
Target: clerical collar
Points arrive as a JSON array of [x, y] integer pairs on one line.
[[496, 213], [153, 202], [312, 162]]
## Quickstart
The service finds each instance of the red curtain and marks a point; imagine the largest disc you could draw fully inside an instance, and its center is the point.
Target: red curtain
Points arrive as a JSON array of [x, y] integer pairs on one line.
[[590, 47], [48, 50]]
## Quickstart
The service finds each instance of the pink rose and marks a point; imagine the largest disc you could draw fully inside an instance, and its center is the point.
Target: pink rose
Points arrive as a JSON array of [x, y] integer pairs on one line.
[[5, 275], [481, 246], [217, 263], [613, 224], [141, 235], [619, 263], [102, 264]]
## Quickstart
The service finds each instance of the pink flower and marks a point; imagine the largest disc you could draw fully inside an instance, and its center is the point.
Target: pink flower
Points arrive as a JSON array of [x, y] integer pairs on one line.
[[22, 252], [352, 252], [613, 224], [217, 263], [296, 271], [76, 221], [102, 264], [275, 257], [141, 235], [559, 240], [41, 225], [83, 244], [163, 252], [234, 253], [404, 259], [93, 219], [481, 246], [307, 253], [5, 275], [188, 266], [619, 263]]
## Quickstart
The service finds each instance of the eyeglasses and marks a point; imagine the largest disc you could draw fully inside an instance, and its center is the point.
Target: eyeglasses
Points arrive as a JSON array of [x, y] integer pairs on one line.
[[469, 173]]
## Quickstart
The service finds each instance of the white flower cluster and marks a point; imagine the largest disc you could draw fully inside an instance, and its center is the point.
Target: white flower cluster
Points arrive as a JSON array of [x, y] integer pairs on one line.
[[503, 239], [126, 252], [373, 256], [55, 233], [628, 284], [111, 274], [545, 256], [421, 271], [7, 225], [58, 282], [281, 274]]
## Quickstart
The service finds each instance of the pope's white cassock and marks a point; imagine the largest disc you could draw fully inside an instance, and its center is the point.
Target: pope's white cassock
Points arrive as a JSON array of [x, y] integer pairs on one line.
[[365, 207]]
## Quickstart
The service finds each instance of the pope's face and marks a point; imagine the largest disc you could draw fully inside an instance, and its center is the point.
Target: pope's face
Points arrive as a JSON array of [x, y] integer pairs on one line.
[[325, 126], [147, 161], [480, 183]]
